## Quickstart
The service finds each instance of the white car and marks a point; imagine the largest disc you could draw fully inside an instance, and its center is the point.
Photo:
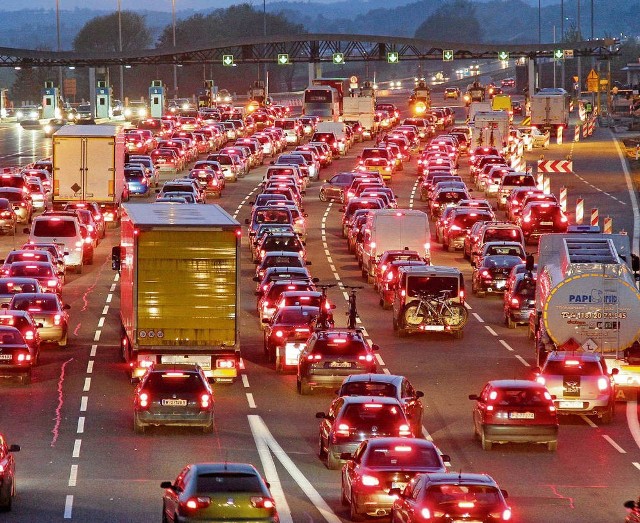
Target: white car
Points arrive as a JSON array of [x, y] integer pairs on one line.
[[535, 136]]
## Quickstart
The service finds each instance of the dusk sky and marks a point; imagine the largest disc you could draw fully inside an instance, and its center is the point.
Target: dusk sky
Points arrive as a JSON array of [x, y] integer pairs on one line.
[[132, 5]]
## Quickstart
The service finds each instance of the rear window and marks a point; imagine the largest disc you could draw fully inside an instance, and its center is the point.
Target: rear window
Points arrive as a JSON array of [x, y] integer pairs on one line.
[[572, 368], [366, 415], [12, 181], [526, 288], [273, 216], [518, 181], [55, 228], [465, 221], [368, 388], [402, 456], [450, 196], [282, 261], [432, 285], [34, 304], [17, 287], [296, 316], [375, 153], [170, 382], [502, 234], [444, 496], [221, 482], [133, 176], [10, 337], [11, 196], [32, 271]]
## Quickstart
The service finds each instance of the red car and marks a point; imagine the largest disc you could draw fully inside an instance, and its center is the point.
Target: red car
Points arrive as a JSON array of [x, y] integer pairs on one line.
[[7, 473], [286, 335]]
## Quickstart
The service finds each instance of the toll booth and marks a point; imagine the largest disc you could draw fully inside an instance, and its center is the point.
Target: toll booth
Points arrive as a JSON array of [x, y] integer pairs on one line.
[[50, 101], [103, 100], [156, 98], [207, 94]]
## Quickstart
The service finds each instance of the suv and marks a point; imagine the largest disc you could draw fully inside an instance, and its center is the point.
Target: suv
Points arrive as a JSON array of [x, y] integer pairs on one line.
[[331, 355], [515, 411], [580, 383], [542, 217], [60, 229], [354, 419], [173, 394], [413, 280], [491, 231], [512, 181]]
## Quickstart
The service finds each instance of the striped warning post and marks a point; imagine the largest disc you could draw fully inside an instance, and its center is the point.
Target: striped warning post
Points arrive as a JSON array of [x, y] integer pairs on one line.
[[571, 106], [595, 218], [559, 135], [526, 120], [546, 185], [591, 125], [576, 136], [563, 199], [539, 180], [555, 166], [585, 129], [608, 225], [579, 211]]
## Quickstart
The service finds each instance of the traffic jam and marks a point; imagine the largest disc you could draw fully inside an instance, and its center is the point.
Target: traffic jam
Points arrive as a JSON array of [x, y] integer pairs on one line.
[[469, 198]]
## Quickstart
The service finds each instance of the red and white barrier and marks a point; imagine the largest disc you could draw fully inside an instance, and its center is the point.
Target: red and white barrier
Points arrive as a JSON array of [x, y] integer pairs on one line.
[[576, 136], [563, 199], [595, 218], [579, 211], [555, 166], [608, 225], [559, 136]]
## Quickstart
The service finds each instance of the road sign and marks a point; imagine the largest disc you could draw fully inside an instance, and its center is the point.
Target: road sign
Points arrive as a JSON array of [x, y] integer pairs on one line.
[[589, 345], [338, 58], [393, 57], [576, 79], [503, 55], [227, 59], [283, 59], [568, 53], [558, 54], [447, 55], [593, 82], [353, 79]]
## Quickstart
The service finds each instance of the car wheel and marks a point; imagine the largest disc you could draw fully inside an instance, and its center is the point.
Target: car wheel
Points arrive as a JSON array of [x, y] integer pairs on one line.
[[5, 504], [64, 340], [486, 444], [138, 427], [354, 515], [208, 428], [510, 323], [279, 365], [607, 417], [303, 387], [78, 269], [322, 196], [25, 379], [333, 463], [552, 446]]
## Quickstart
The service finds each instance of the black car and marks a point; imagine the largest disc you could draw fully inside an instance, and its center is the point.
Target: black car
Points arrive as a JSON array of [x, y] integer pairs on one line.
[[175, 395], [16, 357], [542, 217], [281, 273], [519, 299], [492, 274], [354, 419], [331, 355], [391, 386]]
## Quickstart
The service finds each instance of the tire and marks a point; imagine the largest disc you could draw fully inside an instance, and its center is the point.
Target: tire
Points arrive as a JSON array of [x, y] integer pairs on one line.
[[65, 339], [322, 196], [343, 498], [165, 519], [608, 416], [457, 316], [354, 515], [208, 429], [450, 248], [304, 387], [138, 427], [552, 446], [395, 324], [321, 452], [332, 463], [25, 379], [510, 323], [411, 316], [486, 445], [6, 505], [279, 365]]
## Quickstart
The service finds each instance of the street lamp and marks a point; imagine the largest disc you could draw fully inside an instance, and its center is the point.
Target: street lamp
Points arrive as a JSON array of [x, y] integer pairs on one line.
[[175, 67], [59, 46], [120, 49], [539, 21]]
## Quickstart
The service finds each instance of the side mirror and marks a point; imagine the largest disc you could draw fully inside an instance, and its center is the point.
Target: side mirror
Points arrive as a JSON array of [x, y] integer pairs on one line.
[[321, 415], [116, 257], [252, 203], [40, 325], [630, 504], [26, 230], [473, 264], [166, 484], [474, 397], [333, 306], [341, 209], [308, 263], [315, 280], [265, 321], [419, 394], [375, 346], [505, 494], [346, 455], [157, 191], [246, 221], [272, 162], [66, 306], [14, 448], [256, 279], [135, 380], [446, 458], [615, 371]]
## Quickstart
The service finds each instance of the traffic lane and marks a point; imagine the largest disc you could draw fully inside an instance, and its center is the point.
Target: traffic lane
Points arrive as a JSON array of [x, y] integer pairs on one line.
[[41, 417], [20, 146]]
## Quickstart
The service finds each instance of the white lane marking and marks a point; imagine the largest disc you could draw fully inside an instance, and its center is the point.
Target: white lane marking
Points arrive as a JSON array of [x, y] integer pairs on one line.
[[87, 385], [491, 331], [426, 434], [304, 484], [68, 506], [632, 420], [109, 298], [327, 253], [506, 345], [333, 268], [83, 403], [90, 367], [76, 448], [94, 348], [522, 360], [80, 429], [116, 277], [589, 421], [105, 311], [73, 475], [270, 471], [632, 195], [112, 288], [245, 381], [477, 317], [96, 336], [468, 307], [365, 333], [101, 322], [614, 444], [379, 360], [251, 401], [386, 371], [636, 464]]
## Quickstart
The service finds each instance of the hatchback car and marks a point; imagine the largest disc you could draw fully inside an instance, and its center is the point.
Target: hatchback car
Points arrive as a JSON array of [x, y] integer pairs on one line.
[[218, 492], [380, 464], [519, 299], [286, 334], [21, 202], [491, 275], [43, 271], [515, 411], [351, 420], [580, 384], [542, 217], [7, 473], [173, 395], [331, 355], [334, 187], [24, 322], [48, 312], [16, 356], [450, 497]]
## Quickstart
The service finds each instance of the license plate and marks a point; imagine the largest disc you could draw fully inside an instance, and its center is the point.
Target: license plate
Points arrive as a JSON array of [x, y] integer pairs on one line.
[[500, 284], [340, 364], [521, 415], [434, 328], [174, 403], [546, 223], [398, 484], [570, 404], [5, 356]]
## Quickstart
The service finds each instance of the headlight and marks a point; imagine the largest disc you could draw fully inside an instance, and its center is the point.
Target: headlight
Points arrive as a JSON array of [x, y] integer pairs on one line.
[[142, 112], [127, 112], [19, 114], [33, 114]]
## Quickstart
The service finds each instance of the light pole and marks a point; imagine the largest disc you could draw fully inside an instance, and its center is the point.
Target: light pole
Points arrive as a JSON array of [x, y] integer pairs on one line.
[[264, 33], [175, 66], [59, 46], [539, 21], [120, 49]]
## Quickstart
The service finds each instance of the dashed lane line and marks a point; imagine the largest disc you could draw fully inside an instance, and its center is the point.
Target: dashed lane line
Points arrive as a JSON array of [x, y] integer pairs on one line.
[[522, 360], [614, 444], [506, 345], [477, 317], [589, 421], [251, 401], [491, 331]]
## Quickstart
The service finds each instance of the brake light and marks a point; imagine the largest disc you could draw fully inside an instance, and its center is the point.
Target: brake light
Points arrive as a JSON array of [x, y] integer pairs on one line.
[[515, 302], [314, 357], [466, 504], [540, 380], [342, 430], [143, 400], [425, 513], [262, 502], [52, 283], [205, 401], [455, 228], [57, 319], [390, 276], [279, 334], [226, 364], [195, 503], [404, 430], [29, 335], [603, 384], [526, 219], [486, 274], [506, 514], [369, 481], [366, 357]]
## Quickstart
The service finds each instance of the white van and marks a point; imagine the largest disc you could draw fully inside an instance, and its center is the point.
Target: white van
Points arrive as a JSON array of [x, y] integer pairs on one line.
[[62, 230], [391, 229], [337, 128]]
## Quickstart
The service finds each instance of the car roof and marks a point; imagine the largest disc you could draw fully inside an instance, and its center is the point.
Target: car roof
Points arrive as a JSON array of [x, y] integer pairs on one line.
[[245, 468], [461, 478], [374, 378], [514, 383], [385, 400]]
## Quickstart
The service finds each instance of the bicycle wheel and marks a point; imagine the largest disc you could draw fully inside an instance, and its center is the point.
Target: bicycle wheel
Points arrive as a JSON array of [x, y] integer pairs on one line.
[[455, 315], [413, 314]]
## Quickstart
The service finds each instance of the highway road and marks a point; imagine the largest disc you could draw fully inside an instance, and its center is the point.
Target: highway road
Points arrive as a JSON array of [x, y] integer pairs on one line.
[[81, 461]]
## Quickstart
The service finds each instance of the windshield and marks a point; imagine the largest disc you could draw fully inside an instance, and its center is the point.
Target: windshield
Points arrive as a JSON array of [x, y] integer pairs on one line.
[[364, 416], [446, 495], [55, 228], [401, 456]]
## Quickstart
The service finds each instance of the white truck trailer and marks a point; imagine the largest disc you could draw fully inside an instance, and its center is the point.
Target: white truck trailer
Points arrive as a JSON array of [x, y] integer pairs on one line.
[[550, 110], [587, 300], [363, 109]]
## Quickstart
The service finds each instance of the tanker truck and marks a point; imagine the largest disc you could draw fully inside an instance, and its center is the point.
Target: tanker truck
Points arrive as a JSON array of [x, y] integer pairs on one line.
[[587, 300]]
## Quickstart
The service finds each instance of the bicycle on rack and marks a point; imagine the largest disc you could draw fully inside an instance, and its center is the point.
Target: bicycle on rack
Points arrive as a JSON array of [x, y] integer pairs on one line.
[[352, 312], [324, 320], [435, 313]]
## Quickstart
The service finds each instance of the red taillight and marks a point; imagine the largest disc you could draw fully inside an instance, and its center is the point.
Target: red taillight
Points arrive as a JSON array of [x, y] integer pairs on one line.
[[369, 481], [22, 357], [57, 319], [603, 384], [425, 513], [226, 364], [314, 357], [515, 302], [143, 400], [29, 335], [279, 334], [366, 357], [486, 274], [343, 429], [195, 503], [262, 502], [205, 401], [404, 430]]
